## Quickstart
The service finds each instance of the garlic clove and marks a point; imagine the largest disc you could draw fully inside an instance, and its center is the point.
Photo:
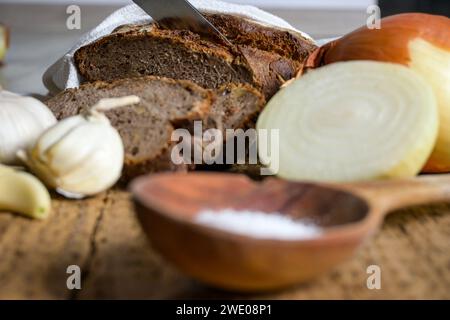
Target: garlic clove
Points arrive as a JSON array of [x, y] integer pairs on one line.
[[56, 133], [20, 192]]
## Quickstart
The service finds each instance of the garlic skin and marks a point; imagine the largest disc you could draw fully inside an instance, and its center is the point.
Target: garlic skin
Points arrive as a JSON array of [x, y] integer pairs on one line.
[[22, 121], [81, 155]]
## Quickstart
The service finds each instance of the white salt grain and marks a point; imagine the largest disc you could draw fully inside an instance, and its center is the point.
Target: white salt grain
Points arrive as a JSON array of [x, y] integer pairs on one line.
[[259, 225]]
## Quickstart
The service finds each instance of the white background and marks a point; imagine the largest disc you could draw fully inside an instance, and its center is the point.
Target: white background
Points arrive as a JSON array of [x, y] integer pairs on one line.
[[341, 4]]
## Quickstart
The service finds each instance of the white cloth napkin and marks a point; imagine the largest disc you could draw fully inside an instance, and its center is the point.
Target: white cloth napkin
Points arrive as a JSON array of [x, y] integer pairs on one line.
[[63, 73]]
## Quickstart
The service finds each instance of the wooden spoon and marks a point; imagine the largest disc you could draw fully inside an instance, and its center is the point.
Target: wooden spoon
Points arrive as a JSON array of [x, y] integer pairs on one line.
[[349, 213]]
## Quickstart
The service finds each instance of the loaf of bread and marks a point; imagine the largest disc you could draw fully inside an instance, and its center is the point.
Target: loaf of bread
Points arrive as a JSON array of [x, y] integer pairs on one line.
[[166, 104], [262, 56]]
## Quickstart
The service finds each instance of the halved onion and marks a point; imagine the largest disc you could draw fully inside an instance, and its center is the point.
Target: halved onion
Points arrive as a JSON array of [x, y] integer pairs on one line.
[[419, 41], [353, 121]]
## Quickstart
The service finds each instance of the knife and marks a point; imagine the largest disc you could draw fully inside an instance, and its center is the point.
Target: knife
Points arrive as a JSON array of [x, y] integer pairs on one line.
[[180, 14]]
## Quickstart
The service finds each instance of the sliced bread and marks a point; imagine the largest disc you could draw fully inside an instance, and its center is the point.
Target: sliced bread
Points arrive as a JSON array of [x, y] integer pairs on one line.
[[262, 56], [165, 105]]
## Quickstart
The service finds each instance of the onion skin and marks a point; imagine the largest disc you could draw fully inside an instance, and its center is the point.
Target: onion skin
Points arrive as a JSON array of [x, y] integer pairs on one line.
[[388, 44], [393, 43]]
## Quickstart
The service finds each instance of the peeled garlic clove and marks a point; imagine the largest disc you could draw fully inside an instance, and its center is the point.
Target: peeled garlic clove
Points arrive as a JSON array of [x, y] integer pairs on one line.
[[22, 121], [20, 192], [81, 155], [352, 121]]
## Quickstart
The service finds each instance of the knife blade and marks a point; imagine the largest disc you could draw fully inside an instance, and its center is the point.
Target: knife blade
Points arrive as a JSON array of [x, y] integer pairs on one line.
[[180, 14]]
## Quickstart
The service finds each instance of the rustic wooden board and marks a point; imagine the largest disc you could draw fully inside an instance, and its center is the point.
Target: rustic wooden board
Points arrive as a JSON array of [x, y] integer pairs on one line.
[[102, 236]]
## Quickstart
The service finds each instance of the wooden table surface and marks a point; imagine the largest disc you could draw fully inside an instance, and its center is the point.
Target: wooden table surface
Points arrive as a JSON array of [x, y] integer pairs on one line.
[[102, 235]]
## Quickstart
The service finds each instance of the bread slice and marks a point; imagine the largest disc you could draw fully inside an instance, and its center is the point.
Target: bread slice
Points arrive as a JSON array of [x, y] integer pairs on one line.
[[165, 105], [263, 57]]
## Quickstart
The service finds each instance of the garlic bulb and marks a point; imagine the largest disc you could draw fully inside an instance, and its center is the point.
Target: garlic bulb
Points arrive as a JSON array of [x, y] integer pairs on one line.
[[22, 121], [81, 155]]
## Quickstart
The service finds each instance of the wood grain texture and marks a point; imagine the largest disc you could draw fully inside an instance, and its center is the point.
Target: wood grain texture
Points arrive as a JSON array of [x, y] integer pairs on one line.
[[35, 255], [103, 236]]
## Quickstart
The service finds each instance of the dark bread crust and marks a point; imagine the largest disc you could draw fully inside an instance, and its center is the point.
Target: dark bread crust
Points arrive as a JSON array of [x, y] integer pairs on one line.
[[245, 32], [166, 105], [263, 57]]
